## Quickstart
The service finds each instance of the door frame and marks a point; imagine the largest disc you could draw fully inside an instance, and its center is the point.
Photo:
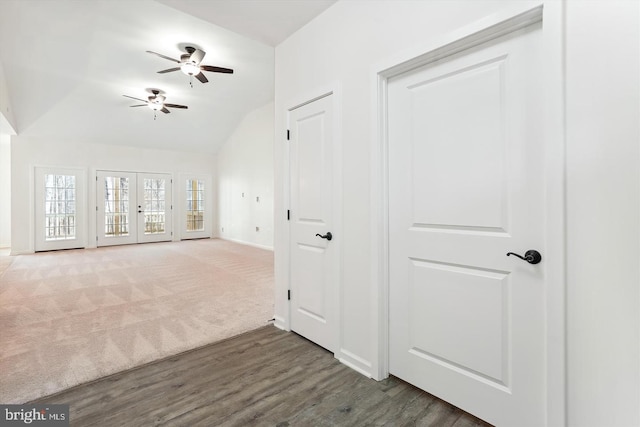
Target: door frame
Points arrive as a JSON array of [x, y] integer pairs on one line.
[[307, 98], [510, 19]]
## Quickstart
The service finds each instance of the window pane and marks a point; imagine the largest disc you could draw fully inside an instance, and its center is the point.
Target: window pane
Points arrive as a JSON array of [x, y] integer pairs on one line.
[[116, 206], [154, 203], [59, 206], [195, 205]]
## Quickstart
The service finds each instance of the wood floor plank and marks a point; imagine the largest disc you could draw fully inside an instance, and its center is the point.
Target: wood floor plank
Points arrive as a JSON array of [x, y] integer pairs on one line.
[[266, 377]]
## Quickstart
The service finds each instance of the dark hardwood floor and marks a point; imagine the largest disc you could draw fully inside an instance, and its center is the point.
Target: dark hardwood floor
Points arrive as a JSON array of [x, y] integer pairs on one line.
[[266, 377]]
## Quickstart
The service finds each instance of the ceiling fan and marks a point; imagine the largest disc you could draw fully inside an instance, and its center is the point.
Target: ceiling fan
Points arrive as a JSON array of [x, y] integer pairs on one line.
[[156, 103], [190, 64]]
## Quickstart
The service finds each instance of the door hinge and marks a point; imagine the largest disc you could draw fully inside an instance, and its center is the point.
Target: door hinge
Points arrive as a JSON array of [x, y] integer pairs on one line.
[[96, 178], [289, 295], [288, 135], [96, 209], [96, 238], [288, 215]]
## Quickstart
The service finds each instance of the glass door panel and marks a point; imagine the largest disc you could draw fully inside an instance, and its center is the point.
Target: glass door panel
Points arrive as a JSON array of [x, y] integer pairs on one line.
[[195, 209], [116, 209], [154, 195]]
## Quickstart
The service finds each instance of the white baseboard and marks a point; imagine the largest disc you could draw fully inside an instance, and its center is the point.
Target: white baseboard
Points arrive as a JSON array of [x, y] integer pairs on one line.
[[24, 252], [242, 242], [280, 323], [355, 362]]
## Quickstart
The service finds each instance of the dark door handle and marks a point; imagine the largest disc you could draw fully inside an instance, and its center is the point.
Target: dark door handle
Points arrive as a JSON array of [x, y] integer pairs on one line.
[[327, 236], [531, 256]]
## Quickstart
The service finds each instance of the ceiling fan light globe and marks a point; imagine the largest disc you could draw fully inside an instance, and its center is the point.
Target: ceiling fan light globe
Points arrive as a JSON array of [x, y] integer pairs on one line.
[[156, 106], [190, 69]]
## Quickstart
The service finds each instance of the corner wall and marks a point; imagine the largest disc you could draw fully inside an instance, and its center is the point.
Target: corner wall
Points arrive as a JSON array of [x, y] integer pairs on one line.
[[603, 212], [245, 181], [5, 190]]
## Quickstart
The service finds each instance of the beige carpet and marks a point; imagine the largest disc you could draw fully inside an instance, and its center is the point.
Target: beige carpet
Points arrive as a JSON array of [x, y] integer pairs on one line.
[[68, 317]]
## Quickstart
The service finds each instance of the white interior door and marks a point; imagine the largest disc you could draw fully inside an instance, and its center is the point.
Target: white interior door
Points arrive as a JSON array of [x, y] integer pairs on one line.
[[59, 209], [313, 261], [466, 175], [132, 207]]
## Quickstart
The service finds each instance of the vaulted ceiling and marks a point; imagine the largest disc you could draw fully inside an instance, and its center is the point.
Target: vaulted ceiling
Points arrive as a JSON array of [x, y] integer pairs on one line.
[[67, 64]]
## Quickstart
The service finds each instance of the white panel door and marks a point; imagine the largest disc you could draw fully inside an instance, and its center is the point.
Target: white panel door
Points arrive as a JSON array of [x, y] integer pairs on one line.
[[133, 207], [59, 209], [466, 178], [313, 258]]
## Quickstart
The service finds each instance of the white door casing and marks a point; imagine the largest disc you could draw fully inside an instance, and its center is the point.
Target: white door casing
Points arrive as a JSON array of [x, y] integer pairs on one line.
[[313, 260], [60, 208], [467, 323], [133, 207]]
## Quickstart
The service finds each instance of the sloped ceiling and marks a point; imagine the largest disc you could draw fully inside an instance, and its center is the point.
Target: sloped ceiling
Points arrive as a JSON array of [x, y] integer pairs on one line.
[[67, 64], [268, 21]]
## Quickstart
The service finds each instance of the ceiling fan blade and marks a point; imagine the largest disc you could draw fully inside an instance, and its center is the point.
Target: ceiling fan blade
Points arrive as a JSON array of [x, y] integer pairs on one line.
[[137, 99], [168, 70], [197, 56], [140, 105], [201, 77], [176, 106], [216, 69], [164, 110], [163, 56]]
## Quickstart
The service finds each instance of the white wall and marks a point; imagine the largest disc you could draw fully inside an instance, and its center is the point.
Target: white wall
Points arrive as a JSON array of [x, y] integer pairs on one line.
[[245, 172], [6, 109], [342, 47], [5, 190], [603, 208], [28, 152]]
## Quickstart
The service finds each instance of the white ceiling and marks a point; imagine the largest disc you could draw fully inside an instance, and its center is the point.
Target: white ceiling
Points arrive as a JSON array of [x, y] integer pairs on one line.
[[67, 64], [268, 21]]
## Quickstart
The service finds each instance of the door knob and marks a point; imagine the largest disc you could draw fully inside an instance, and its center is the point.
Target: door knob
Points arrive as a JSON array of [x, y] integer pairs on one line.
[[327, 236], [531, 256]]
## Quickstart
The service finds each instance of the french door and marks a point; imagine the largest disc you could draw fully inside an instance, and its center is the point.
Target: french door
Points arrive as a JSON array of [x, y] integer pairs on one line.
[[59, 208], [133, 207]]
